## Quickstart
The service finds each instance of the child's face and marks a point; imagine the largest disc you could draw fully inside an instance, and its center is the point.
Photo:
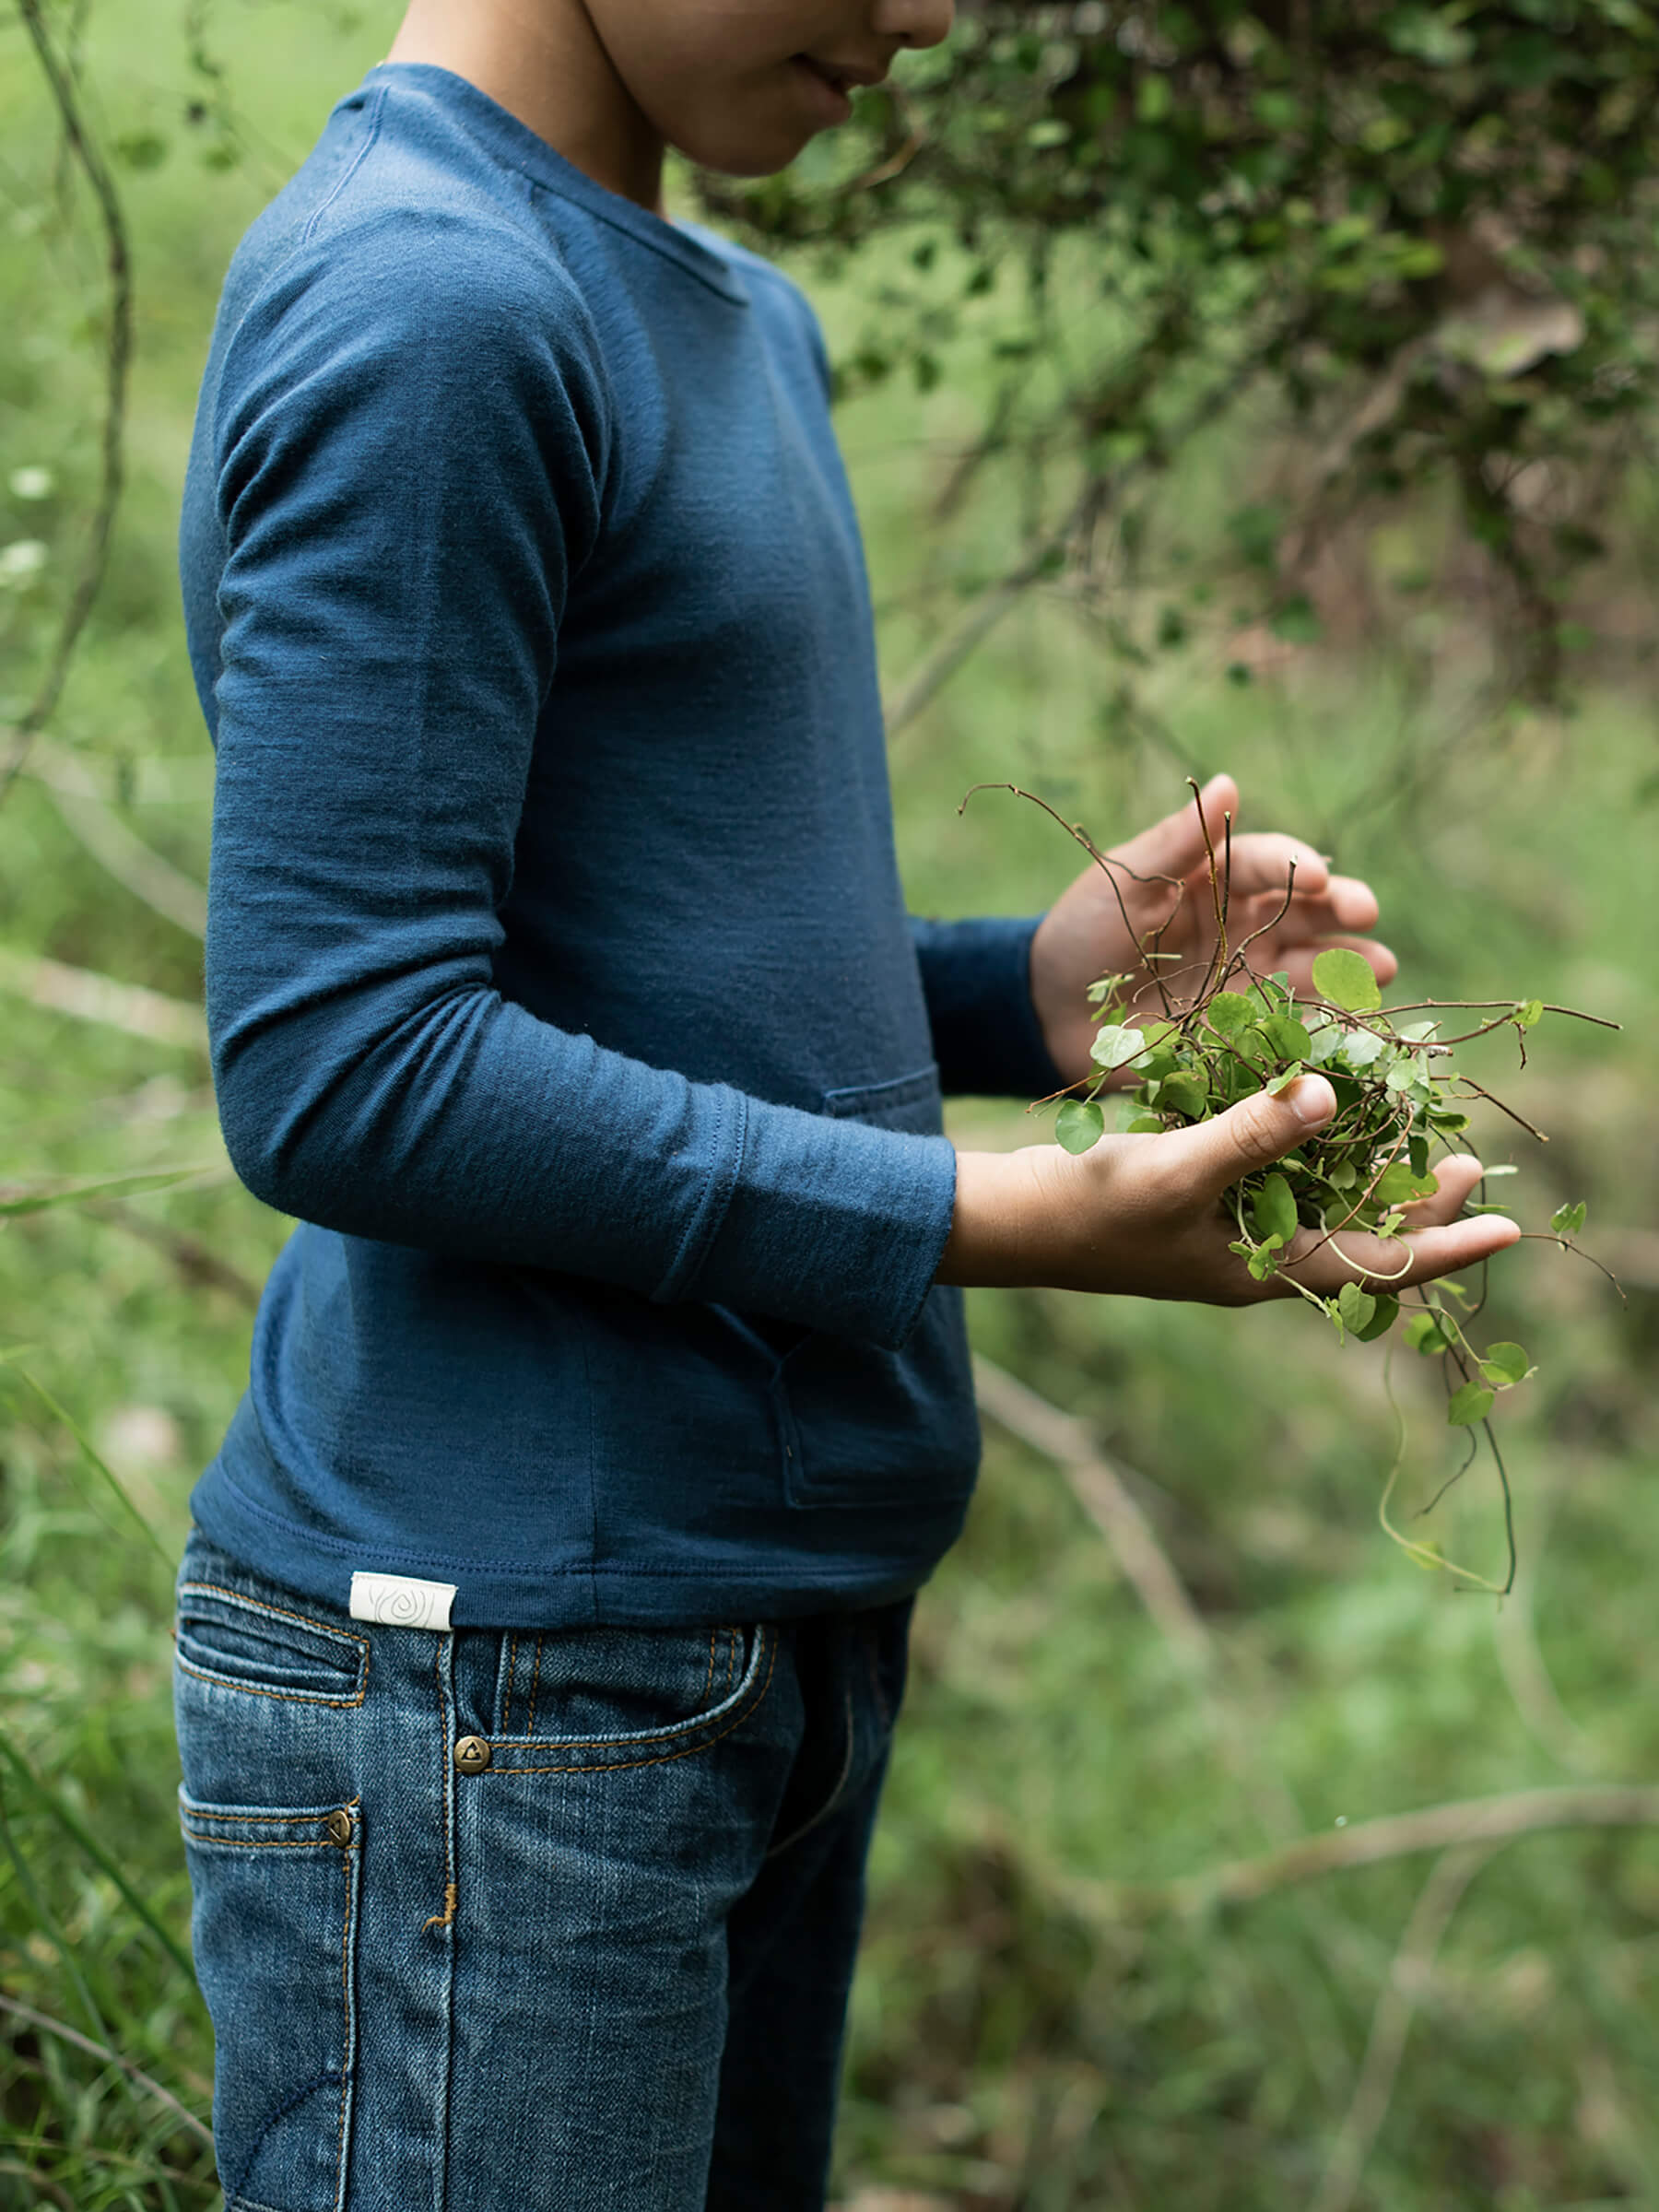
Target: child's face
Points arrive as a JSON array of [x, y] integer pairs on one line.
[[741, 85]]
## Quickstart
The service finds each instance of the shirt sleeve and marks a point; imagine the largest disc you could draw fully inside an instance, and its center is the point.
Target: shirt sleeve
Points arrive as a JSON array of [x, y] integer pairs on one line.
[[976, 977], [409, 458]]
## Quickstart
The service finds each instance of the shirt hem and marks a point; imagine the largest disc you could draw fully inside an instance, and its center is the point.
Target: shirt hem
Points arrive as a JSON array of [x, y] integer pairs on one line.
[[579, 1591]]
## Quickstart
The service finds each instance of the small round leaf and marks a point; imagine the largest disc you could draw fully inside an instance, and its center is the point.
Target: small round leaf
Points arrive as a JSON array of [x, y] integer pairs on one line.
[[1080, 1124], [1229, 1012], [1381, 1322], [1357, 1309], [1469, 1404], [1505, 1364], [1360, 1047], [1345, 979], [1274, 1212], [1115, 1047], [1423, 1334]]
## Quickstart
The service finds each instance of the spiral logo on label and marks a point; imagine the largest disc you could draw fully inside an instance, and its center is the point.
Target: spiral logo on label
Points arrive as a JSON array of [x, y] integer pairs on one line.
[[401, 1600], [402, 1607]]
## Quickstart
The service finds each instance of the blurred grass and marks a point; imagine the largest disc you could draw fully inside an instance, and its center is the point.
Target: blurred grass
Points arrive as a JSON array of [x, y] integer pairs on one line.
[[1015, 2044]]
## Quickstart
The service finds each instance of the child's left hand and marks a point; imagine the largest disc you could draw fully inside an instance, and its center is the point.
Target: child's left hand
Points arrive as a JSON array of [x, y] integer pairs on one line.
[[1085, 934]]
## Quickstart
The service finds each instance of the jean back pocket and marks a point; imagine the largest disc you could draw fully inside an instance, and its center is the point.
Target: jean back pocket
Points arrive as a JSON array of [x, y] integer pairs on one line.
[[235, 1642], [274, 1929]]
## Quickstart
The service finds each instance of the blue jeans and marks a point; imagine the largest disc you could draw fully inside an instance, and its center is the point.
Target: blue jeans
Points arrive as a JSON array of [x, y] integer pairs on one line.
[[498, 1922]]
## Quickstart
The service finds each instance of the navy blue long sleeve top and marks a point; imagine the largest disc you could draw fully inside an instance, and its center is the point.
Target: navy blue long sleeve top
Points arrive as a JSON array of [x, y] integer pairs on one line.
[[559, 981]]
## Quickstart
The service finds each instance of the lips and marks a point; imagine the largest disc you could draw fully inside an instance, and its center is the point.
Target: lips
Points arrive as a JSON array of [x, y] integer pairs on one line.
[[840, 76], [828, 101]]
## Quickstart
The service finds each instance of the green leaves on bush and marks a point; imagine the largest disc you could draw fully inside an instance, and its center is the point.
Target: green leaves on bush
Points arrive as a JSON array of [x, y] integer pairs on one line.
[[1427, 221]]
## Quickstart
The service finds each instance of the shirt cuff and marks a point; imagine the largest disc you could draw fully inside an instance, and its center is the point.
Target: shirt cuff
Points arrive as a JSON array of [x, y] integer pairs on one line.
[[976, 976], [829, 1223]]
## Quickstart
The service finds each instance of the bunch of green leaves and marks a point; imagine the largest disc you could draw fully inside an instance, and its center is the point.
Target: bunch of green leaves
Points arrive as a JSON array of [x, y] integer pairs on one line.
[[1399, 1097], [1401, 1100]]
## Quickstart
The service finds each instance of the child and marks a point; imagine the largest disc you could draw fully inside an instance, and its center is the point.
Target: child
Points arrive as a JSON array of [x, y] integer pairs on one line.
[[540, 1642]]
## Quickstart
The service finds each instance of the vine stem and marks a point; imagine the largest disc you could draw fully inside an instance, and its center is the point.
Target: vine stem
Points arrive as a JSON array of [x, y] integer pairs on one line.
[[1430, 1006], [1548, 1236], [1220, 892], [1521, 1121], [1424, 1554], [118, 362], [1106, 862]]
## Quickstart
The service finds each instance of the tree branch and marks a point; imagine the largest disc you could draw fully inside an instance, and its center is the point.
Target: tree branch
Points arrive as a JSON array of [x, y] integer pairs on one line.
[[85, 995], [994, 603], [118, 358], [982, 616], [167, 890], [1397, 2002], [1100, 1490], [1400, 1835]]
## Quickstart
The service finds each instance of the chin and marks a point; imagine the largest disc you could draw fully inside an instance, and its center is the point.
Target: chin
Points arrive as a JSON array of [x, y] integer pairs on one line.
[[750, 154]]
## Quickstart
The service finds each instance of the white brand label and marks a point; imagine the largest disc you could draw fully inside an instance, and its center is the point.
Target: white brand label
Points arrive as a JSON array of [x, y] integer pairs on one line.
[[401, 1600]]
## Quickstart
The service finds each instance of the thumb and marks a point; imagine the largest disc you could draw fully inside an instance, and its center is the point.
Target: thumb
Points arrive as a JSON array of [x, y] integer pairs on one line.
[[1255, 1132], [1175, 845]]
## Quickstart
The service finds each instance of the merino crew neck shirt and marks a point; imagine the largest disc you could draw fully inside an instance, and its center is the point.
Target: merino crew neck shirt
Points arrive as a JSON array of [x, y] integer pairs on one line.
[[559, 981]]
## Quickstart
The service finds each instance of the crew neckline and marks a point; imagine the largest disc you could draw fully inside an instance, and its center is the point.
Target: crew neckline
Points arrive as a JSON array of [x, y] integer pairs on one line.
[[514, 143]]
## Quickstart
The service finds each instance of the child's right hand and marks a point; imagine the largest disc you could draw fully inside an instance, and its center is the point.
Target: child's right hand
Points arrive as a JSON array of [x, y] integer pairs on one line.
[[1142, 1215]]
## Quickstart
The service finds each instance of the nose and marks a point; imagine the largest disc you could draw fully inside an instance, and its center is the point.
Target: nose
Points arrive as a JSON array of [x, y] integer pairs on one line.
[[914, 22]]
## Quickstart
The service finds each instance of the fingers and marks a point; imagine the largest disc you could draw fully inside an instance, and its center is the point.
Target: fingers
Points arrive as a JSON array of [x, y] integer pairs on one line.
[[1397, 1263], [1320, 907], [1455, 1178], [1264, 861]]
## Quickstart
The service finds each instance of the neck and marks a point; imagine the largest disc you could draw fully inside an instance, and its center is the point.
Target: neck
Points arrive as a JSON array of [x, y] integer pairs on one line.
[[544, 62]]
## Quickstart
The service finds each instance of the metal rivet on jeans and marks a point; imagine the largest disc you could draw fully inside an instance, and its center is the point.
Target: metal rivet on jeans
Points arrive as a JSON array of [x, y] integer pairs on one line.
[[339, 1826], [471, 1755]]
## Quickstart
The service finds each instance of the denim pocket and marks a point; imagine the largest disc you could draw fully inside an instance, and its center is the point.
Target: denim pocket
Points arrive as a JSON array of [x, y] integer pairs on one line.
[[273, 1928], [584, 1699], [241, 1643]]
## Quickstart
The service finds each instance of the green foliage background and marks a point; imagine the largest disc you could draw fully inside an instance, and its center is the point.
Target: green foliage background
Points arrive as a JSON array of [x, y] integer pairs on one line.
[[1040, 2023]]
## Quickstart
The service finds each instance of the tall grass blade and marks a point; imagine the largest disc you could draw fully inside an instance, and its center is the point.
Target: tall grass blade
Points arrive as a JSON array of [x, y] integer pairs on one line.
[[155, 1179], [46, 2025], [50, 1802], [92, 1453]]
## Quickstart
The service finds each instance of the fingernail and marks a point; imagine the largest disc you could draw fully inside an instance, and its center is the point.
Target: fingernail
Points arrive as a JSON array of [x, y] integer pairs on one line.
[[1311, 1100]]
